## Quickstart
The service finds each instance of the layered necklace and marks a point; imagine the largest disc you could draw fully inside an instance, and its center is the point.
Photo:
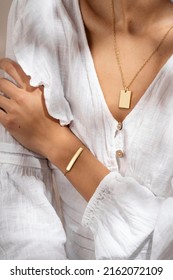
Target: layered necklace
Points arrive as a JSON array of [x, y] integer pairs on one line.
[[125, 96]]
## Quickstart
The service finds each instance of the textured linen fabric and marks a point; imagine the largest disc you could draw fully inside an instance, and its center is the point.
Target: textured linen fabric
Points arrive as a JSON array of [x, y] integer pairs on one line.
[[130, 214]]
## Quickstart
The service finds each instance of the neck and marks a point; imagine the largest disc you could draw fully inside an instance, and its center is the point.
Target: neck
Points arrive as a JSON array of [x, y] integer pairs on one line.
[[131, 16]]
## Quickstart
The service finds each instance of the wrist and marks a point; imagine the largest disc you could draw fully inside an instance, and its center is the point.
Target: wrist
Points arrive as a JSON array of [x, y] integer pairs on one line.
[[62, 145], [86, 173]]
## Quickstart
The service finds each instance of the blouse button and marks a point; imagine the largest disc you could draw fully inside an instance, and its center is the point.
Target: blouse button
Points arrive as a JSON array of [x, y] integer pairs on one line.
[[119, 154], [119, 126]]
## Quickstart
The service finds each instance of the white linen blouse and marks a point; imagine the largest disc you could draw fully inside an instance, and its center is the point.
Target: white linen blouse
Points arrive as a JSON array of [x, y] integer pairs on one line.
[[130, 215]]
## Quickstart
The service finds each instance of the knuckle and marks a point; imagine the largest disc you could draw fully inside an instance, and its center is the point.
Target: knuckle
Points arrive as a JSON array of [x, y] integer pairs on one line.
[[12, 109], [20, 98]]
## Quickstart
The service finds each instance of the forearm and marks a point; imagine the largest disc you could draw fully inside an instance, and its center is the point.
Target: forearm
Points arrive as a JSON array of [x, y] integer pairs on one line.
[[86, 173], [25, 116]]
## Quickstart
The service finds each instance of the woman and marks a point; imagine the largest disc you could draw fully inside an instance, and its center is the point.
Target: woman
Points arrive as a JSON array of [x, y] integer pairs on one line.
[[97, 85]]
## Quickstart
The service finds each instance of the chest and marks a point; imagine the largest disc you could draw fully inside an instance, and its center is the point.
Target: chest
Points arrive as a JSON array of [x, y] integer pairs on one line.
[[136, 71]]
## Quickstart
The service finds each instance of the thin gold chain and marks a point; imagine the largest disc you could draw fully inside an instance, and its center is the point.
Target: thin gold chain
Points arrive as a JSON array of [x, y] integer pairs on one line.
[[118, 54]]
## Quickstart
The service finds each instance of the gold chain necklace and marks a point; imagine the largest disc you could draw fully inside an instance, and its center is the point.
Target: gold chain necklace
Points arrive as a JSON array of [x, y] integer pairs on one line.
[[126, 94]]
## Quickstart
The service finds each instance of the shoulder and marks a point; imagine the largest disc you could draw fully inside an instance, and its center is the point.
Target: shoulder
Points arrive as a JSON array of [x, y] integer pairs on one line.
[[32, 7], [41, 26], [42, 8], [45, 13], [37, 5], [33, 11], [43, 19]]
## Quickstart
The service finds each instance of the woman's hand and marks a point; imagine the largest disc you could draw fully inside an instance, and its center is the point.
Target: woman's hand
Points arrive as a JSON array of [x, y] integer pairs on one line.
[[24, 113], [25, 116]]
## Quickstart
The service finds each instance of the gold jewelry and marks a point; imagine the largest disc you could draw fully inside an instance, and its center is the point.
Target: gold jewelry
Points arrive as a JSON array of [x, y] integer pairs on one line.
[[73, 160], [126, 94]]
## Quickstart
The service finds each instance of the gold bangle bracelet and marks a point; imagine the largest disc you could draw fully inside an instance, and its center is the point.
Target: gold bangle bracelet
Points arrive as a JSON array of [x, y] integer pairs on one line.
[[73, 160]]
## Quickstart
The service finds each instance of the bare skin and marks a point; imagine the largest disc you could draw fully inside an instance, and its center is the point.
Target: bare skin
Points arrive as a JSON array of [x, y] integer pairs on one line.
[[139, 30], [26, 109]]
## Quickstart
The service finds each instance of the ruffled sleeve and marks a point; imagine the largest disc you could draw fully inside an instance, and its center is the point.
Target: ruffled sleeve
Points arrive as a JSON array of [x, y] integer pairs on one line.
[[123, 215], [30, 227], [38, 43]]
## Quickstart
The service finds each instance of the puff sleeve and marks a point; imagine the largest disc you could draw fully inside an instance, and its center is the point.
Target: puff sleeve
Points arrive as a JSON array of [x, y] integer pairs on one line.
[[124, 216], [30, 227], [39, 46]]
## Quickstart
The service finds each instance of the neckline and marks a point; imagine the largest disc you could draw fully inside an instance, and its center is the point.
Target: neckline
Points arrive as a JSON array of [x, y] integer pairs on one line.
[[93, 78]]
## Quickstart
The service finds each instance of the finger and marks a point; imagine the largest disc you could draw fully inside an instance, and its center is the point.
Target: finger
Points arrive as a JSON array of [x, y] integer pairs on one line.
[[15, 71], [3, 117], [9, 89], [4, 104]]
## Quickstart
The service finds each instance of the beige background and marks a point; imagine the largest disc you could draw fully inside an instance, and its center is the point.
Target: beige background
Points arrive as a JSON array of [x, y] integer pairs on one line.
[[4, 9]]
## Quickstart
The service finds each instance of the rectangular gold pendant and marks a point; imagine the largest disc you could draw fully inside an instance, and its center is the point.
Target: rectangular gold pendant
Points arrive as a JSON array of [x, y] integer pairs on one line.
[[125, 99]]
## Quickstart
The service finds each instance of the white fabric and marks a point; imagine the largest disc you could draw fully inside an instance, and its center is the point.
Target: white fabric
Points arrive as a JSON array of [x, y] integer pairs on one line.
[[130, 214]]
